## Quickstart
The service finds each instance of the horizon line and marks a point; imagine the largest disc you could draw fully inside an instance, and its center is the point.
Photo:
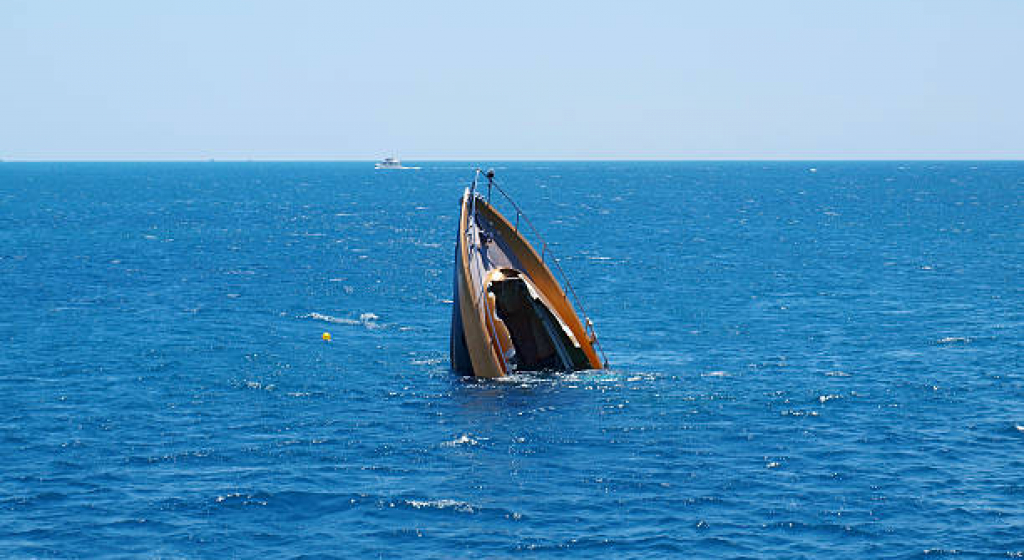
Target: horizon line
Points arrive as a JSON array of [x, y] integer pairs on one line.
[[517, 160]]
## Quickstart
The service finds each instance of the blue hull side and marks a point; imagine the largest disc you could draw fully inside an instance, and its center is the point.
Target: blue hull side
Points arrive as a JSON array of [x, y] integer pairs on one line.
[[458, 353]]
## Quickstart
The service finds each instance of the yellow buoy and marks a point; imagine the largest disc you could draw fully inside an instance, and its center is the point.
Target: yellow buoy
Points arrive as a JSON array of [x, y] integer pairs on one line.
[[326, 336]]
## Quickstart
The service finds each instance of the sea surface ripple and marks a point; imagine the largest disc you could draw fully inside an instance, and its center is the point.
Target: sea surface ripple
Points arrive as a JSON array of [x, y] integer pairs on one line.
[[807, 359]]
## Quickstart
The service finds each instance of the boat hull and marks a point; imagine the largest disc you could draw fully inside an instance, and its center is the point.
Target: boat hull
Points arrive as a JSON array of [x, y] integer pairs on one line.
[[492, 257]]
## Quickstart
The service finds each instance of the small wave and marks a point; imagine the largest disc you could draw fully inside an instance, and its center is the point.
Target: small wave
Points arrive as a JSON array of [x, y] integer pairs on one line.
[[825, 398], [260, 386], [238, 498], [716, 373], [367, 320], [837, 373], [330, 319], [955, 340], [426, 361], [455, 505], [464, 439]]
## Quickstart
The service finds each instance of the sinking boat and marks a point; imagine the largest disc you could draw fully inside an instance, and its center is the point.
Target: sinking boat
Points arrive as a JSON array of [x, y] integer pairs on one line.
[[509, 313]]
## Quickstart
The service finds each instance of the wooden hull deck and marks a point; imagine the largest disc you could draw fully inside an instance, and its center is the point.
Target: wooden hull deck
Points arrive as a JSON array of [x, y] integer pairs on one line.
[[509, 313]]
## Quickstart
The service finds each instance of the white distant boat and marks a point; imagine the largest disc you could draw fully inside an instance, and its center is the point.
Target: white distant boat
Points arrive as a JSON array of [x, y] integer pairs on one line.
[[391, 163]]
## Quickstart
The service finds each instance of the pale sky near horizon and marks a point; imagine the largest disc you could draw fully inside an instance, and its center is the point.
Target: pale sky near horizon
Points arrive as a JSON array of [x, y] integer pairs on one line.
[[323, 80]]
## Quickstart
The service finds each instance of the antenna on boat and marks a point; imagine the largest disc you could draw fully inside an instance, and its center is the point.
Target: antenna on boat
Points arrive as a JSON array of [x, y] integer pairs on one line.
[[490, 182]]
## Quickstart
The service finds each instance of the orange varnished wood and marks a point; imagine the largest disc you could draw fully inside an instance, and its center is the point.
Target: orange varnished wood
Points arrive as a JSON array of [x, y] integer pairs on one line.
[[479, 341], [542, 278]]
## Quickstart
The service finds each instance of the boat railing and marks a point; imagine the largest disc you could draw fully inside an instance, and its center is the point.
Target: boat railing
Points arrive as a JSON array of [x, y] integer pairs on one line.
[[588, 325]]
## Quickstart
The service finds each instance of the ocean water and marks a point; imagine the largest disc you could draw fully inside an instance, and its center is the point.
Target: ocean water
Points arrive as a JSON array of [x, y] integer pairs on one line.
[[807, 359]]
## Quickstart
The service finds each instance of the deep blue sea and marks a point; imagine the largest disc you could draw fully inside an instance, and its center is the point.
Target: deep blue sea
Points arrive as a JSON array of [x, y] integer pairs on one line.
[[817, 359]]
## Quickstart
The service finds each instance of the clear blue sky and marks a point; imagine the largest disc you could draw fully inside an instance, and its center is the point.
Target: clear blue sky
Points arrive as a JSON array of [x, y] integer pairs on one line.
[[746, 79]]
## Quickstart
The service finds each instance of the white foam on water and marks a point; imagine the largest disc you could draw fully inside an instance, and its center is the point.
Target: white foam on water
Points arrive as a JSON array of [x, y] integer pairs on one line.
[[799, 413], [330, 319], [464, 439], [229, 496], [367, 320], [259, 386], [954, 339], [247, 499], [456, 505]]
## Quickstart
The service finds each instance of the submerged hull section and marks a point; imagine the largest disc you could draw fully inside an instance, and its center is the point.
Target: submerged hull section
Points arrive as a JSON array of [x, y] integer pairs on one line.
[[460, 359], [509, 313]]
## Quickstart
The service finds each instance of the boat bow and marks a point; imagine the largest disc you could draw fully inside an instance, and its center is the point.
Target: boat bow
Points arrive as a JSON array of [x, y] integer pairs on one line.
[[509, 312]]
